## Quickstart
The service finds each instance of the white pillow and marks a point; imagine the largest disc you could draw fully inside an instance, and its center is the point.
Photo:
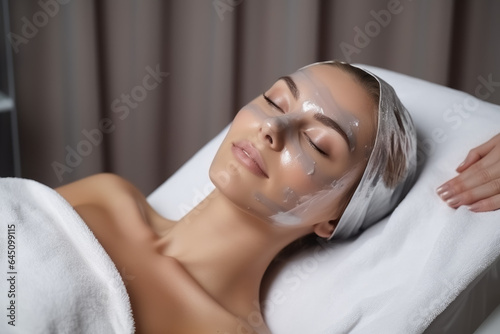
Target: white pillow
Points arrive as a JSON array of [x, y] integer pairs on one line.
[[401, 273]]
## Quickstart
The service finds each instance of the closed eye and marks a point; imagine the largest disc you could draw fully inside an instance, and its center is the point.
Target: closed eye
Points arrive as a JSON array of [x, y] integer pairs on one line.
[[271, 103], [313, 145]]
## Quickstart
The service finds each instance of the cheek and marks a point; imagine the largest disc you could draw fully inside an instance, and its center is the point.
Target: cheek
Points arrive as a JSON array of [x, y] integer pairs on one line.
[[316, 204], [292, 189], [242, 118], [252, 113], [294, 177]]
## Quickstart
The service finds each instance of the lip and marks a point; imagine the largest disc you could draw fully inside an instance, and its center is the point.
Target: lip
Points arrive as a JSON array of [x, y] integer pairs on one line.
[[250, 157]]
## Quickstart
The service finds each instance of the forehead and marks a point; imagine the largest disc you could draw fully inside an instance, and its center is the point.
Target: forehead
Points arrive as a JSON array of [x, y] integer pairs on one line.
[[342, 86], [339, 91]]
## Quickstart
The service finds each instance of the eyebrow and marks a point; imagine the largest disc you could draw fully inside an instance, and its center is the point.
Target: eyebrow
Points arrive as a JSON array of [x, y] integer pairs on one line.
[[327, 121], [292, 86]]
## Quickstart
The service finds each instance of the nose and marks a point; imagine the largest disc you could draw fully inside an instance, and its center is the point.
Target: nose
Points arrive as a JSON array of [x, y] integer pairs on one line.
[[272, 132]]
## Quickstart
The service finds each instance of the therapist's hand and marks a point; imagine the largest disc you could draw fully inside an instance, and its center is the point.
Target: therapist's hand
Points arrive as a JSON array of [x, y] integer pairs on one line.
[[478, 182]]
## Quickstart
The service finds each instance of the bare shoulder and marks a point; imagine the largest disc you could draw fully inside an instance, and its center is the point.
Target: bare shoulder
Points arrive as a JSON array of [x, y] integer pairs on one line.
[[112, 192], [95, 188]]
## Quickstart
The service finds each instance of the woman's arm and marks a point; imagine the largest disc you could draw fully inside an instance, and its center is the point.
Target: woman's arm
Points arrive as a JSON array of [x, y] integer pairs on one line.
[[478, 182]]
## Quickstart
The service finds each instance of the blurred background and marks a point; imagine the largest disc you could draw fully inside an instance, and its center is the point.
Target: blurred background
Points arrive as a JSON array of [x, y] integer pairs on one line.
[[137, 87]]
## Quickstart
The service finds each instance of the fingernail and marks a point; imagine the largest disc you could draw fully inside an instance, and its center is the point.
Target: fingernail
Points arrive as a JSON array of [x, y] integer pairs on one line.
[[463, 163], [446, 195], [453, 201], [474, 207], [442, 189]]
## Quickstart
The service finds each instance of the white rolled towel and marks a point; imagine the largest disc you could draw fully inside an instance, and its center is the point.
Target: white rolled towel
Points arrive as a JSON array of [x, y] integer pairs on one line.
[[57, 278]]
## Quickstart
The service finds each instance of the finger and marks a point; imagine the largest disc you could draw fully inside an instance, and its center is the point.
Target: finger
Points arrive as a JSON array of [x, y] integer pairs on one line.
[[488, 204], [475, 155], [481, 172], [485, 191], [471, 158]]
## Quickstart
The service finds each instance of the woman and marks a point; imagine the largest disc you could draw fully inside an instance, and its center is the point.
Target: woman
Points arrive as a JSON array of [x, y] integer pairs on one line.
[[324, 152]]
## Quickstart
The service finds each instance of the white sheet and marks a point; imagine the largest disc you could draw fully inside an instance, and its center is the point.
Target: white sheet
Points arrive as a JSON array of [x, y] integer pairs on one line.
[[404, 271], [62, 280]]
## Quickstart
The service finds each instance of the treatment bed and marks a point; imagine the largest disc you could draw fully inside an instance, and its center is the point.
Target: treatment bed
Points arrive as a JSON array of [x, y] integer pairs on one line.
[[424, 268]]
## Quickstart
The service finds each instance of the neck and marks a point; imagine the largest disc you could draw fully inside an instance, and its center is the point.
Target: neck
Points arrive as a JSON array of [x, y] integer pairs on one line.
[[227, 250]]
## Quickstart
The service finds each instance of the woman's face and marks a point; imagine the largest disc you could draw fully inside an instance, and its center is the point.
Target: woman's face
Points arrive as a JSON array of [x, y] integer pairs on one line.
[[292, 154]]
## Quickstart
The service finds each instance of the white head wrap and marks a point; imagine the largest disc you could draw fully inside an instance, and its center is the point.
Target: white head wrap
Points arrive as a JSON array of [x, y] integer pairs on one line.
[[382, 185]]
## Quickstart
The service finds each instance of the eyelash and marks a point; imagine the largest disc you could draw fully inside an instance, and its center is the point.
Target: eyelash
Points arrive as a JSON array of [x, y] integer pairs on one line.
[[314, 146], [271, 103]]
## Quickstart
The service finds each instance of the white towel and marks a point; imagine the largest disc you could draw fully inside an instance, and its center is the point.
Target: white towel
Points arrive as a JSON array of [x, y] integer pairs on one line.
[[400, 274], [63, 280], [398, 286]]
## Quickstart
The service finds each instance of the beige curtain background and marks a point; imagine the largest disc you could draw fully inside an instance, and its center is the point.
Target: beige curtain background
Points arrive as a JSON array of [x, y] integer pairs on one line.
[[137, 87]]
